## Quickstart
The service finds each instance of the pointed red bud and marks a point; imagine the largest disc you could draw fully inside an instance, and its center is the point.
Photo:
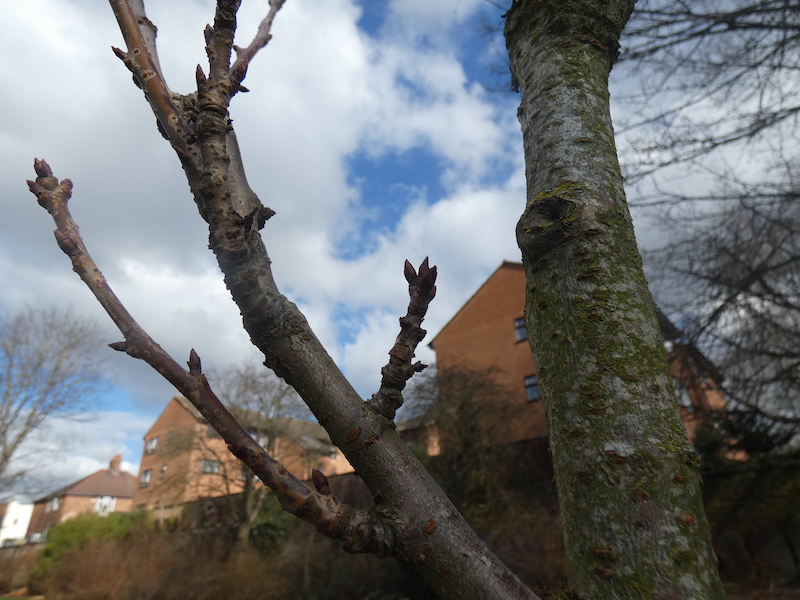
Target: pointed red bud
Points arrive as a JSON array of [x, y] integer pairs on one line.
[[320, 482], [194, 363], [409, 272], [42, 168]]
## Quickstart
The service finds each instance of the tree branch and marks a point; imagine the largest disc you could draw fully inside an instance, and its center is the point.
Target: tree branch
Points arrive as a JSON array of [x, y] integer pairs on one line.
[[413, 518], [422, 289], [261, 39], [360, 530]]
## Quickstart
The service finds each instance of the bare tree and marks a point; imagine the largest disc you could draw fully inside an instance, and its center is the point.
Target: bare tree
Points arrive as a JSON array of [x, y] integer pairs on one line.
[[628, 478], [270, 410], [739, 268], [466, 415], [712, 73], [49, 369], [719, 87]]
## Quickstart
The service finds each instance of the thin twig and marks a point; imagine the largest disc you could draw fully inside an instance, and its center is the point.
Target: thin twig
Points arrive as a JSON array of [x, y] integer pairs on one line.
[[360, 530], [147, 75], [261, 39], [422, 289]]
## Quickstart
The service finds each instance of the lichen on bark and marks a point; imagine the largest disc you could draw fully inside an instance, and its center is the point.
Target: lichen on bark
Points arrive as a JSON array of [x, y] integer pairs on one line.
[[627, 477]]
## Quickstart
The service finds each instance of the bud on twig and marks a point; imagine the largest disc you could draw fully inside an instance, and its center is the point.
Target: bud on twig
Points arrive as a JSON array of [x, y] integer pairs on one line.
[[320, 482], [194, 363]]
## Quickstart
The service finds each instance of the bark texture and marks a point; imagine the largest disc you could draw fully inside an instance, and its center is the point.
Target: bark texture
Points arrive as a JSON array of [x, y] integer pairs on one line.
[[628, 479]]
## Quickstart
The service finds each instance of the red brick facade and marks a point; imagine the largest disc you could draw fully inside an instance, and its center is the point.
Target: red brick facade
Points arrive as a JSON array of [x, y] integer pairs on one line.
[[185, 459], [485, 336], [106, 491]]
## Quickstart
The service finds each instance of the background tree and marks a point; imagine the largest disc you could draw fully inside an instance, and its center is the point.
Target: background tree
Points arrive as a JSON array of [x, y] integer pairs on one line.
[[711, 73], [267, 407], [740, 271], [466, 412], [49, 369], [711, 138], [629, 487]]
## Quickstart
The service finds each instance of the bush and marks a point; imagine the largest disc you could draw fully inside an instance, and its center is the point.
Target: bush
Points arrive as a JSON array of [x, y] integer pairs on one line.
[[77, 532], [272, 525]]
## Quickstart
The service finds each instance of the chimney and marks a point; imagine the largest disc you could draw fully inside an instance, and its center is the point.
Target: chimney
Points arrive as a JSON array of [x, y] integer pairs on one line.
[[115, 463]]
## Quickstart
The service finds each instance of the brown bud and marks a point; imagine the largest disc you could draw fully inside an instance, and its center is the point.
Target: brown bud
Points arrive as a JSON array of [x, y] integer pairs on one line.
[[200, 77], [42, 168], [320, 482], [195, 367], [409, 272]]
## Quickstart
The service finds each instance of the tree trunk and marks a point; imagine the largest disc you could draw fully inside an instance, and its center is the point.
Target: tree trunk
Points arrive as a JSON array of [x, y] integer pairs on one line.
[[628, 479]]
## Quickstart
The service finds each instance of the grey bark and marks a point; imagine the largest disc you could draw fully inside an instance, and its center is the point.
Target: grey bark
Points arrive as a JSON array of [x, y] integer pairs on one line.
[[627, 477]]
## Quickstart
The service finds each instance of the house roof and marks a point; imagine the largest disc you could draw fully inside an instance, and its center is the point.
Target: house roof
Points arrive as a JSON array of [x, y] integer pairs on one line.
[[668, 329], [106, 482], [504, 265], [306, 433]]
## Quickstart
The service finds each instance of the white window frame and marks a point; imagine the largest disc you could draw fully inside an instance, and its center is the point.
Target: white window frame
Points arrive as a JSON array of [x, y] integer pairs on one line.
[[144, 480], [104, 505], [151, 445]]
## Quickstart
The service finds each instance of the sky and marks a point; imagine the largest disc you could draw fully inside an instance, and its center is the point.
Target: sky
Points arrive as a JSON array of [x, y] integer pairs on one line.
[[373, 128]]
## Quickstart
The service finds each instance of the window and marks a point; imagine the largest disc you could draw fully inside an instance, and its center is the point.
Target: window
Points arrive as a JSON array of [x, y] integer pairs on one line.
[[144, 480], [104, 505], [532, 388], [209, 466], [151, 445], [520, 329], [163, 471], [52, 505]]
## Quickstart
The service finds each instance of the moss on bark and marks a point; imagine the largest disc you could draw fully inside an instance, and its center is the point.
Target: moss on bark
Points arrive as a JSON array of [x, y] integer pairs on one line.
[[627, 477]]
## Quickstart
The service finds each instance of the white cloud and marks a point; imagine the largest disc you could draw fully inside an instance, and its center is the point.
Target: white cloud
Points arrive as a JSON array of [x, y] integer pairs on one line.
[[322, 90], [64, 451]]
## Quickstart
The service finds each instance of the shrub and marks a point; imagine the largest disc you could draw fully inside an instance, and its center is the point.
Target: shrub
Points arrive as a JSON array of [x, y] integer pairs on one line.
[[77, 532]]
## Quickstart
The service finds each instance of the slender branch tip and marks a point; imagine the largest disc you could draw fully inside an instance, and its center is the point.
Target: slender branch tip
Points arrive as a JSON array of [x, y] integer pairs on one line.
[[195, 366]]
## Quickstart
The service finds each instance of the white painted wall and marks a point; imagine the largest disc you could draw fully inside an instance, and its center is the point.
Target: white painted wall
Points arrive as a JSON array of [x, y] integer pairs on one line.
[[15, 521]]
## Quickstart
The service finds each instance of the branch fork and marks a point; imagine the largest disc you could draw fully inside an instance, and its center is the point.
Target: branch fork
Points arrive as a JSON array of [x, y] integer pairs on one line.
[[359, 530]]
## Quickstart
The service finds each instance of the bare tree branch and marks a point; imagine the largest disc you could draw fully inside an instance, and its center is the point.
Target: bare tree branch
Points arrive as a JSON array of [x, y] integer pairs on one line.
[[261, 39], [360, 530], [399, 370]]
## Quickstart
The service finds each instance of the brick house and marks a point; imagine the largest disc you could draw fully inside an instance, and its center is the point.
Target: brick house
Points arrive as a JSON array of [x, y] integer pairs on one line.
[[106, 491], [488, 335], [184, 459]]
